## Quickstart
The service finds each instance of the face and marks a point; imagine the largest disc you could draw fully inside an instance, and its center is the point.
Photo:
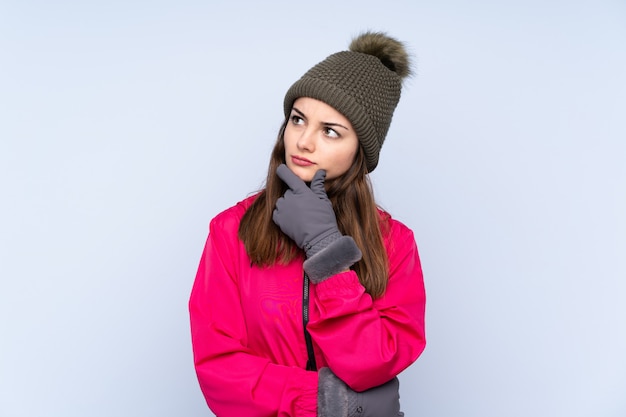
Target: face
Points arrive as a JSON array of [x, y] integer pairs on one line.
[[318, 137]]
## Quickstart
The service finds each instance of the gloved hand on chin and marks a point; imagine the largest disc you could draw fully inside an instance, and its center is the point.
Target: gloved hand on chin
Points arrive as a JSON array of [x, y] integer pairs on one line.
[[306, 215]]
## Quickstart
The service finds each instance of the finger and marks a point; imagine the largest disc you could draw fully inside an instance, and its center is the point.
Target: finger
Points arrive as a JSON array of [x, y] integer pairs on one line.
[[279, 202], [289, 178], [276, 212], [317, 184]]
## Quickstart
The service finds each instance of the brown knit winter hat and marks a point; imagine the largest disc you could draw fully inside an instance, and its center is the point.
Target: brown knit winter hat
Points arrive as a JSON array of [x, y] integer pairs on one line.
[[363, 84]]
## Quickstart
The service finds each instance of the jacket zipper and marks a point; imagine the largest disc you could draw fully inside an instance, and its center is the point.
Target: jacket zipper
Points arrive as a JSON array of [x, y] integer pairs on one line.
[[310, 363]]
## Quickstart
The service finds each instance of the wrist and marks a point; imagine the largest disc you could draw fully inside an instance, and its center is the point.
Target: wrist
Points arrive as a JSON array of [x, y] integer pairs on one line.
[[332, 259], [332, 395], [326, 239]]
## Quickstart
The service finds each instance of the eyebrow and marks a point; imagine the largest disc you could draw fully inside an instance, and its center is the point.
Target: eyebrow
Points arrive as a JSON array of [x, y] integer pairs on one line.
[[325, 123]]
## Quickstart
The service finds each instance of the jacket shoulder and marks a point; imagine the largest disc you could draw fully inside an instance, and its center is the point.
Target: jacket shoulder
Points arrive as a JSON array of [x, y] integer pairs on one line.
[[393, 229], [230, 218]]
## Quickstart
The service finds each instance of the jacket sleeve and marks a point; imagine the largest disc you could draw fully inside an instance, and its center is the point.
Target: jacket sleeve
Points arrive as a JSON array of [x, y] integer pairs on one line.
[[367, 342], [235, 381]]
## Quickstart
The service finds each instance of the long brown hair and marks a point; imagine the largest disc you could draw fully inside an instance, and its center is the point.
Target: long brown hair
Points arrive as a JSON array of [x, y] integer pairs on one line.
[[357, 216]]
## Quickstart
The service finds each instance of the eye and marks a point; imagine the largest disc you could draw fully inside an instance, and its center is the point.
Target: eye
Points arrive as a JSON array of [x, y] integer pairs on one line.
[[331, 133], [296, 120]]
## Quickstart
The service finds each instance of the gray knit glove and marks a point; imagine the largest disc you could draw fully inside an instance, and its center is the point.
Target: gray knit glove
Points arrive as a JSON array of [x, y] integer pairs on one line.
[[306, 215], [336, 399]]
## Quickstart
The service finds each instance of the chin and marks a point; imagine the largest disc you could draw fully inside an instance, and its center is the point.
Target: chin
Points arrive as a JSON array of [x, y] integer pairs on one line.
[[305, 174]]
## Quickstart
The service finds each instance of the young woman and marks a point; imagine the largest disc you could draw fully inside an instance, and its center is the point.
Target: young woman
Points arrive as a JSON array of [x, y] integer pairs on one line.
[[309, 299]]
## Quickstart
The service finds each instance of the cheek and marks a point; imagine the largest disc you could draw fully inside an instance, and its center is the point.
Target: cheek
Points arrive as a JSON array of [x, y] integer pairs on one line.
[[287, 138], [348, 155], [346, 160], [342, 163]]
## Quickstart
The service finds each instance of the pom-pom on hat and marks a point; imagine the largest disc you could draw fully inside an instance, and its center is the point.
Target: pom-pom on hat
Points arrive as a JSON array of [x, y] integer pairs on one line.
[[363, 84]]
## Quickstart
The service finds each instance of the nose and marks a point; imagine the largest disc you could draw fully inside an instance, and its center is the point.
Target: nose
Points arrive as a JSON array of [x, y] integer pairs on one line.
[[306, 141]]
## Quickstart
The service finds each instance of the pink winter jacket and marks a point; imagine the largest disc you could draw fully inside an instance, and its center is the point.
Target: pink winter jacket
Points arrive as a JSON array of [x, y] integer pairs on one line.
[[247, 325]]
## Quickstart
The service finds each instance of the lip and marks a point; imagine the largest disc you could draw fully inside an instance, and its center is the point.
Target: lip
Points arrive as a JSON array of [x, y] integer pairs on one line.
[[300, 161]]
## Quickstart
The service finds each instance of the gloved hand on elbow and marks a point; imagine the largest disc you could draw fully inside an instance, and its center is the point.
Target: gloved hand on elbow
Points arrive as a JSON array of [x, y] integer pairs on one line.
[[336, 399], [306, 215]]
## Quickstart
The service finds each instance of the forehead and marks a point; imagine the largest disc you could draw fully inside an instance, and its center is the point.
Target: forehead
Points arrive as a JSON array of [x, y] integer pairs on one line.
[[312, 107]]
